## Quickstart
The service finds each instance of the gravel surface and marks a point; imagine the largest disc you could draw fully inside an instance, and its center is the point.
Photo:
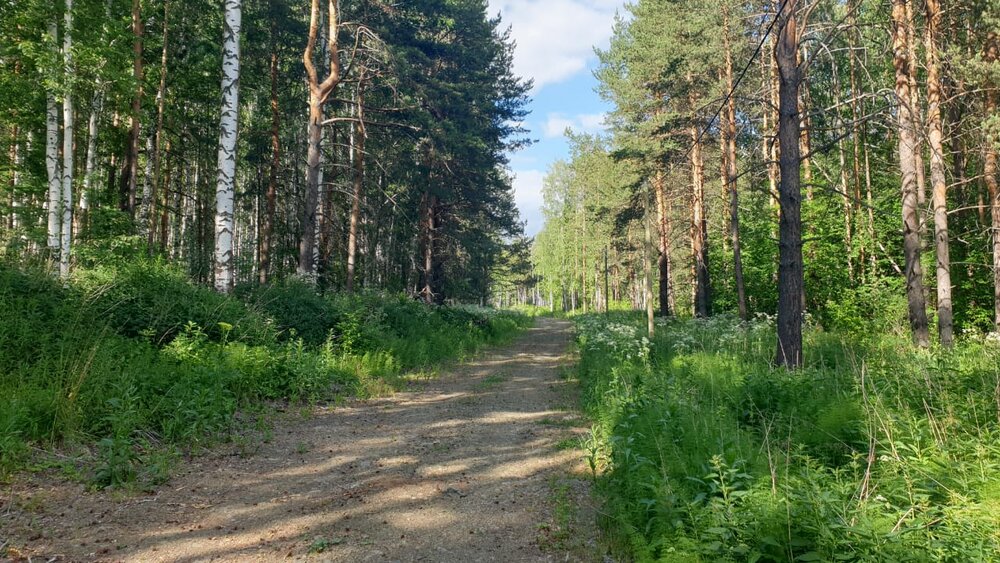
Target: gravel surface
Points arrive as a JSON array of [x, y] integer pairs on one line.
[[479, 464]]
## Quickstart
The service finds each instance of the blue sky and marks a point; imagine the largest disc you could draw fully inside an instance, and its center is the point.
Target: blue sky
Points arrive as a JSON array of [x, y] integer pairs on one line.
[[555, 41]]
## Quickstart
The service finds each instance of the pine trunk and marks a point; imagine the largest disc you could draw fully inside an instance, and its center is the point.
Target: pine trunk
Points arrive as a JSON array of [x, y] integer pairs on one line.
[[731, 171], [358, 185], [161, 92], [699, 229], [990, 177], [267, 228], [790, 269], [318, 94], [663, 262], [939, 182], [130, 174], [908, 169]]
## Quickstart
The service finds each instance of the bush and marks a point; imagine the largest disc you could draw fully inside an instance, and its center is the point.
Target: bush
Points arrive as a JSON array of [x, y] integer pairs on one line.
[[135, 360], [702, 450]]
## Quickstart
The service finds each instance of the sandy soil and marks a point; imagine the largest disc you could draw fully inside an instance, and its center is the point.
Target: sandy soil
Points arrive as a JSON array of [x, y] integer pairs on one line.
[[476, 465]]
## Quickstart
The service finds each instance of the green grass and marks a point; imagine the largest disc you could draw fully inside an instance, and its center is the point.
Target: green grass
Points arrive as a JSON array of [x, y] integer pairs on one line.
[[491, 382], [703, 451], [133, 361]]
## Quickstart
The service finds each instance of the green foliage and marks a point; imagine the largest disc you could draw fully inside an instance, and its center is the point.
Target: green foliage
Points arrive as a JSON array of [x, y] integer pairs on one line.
[[136, 361], [702, 451]]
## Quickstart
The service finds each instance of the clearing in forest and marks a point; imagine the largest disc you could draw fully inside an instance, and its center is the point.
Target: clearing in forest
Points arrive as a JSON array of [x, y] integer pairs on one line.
[[476, 465]]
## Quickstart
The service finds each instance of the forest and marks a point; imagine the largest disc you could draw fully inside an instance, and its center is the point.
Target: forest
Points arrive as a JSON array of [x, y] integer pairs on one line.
[[776, 270]]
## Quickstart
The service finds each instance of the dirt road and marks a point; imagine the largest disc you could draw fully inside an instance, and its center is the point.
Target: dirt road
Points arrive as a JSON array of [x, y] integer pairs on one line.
[[476, 465]]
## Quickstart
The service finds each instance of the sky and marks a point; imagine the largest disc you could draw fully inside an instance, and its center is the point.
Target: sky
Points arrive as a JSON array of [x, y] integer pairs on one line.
[[555, 47]]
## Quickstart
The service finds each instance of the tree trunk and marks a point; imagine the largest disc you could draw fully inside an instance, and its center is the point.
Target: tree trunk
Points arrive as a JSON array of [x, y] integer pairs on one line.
[[165, 203], [15, 179], [805, 125], [790, 271], [731, 171], [130, 174], [938, 180], [91, 164], [52, 161], [659, 187], [226, 184], [845, 191], [990, 177], [430, 201], [699, 229], [267, 229], [908, 168], [161, 93], [319, 92], [647, 271], [66, 231], [358, 184], [857, 109], [917, 112]]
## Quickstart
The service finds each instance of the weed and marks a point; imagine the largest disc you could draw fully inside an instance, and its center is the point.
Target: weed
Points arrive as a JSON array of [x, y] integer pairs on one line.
[[702, 450], [491, 382], [136, 361]]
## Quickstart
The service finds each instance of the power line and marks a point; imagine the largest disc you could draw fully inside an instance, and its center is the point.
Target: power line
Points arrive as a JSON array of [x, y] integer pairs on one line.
[[739, 80]]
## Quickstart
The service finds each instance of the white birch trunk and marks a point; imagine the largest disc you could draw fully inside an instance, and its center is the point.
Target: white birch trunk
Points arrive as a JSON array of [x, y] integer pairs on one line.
[[15, 197], [52, 159], [146, 202], [68, 116], [88, 178], [225, 188]]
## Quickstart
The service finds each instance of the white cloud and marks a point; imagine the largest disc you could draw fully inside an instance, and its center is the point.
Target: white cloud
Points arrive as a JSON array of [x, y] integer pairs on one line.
[[555, 38], [557, 123], [528, 197]]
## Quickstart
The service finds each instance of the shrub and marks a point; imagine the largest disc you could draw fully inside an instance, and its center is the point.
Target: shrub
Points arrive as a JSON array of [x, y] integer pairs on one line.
[[872, 452]]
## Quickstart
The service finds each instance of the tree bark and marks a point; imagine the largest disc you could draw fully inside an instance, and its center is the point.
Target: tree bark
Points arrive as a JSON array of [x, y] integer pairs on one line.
[[731, 171], [699, 229], [91, 163], [130, 173], [430, 202], [161, 93], [908, 168], [267, 228], [52, 161], [917, 111], [319, 92], [647, 271], [990, 177], [358, 183], [939, 182], [790, 269], [663, 262], [66, 203], [229, 120]]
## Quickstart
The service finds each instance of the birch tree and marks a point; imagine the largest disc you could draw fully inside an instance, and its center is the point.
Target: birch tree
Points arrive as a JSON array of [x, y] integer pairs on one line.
[[66, 203], [225, 185], [52, 157]]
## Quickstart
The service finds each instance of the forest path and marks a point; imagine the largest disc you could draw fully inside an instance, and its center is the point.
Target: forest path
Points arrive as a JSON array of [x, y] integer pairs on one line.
[[475, 465]]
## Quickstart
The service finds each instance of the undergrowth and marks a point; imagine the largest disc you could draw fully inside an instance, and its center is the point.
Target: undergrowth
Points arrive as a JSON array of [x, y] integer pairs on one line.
[[133, 362], [703, 451]]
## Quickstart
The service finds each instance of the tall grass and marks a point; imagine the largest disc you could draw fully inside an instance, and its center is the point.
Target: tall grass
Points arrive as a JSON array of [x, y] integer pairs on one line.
[[703, 451], [133, 360]]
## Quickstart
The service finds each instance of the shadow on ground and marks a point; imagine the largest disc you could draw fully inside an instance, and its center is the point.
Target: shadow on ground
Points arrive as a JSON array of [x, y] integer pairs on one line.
[[460, 470]]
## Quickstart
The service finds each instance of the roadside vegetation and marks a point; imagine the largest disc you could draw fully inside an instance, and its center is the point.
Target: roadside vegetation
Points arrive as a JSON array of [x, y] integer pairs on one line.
[[127, 366], [703, 450]]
